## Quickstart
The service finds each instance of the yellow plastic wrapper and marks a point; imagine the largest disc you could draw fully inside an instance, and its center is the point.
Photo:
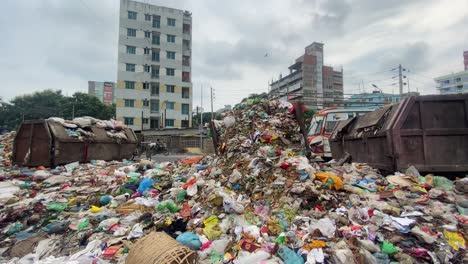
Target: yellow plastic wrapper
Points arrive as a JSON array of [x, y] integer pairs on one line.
[[274, 227], [330, 178], [95, 209], [314, 244], [211, 221], [455, 240], [212, 232]]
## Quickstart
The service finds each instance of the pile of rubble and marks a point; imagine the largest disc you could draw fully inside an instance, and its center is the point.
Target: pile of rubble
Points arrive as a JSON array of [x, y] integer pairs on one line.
[[259, 201]]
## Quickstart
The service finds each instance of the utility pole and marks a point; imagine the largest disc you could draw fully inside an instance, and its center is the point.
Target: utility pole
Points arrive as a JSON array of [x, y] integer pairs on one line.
[[212, 115], [73, 110], [400, 78], [201, 120], [197, 116], [142, 121]]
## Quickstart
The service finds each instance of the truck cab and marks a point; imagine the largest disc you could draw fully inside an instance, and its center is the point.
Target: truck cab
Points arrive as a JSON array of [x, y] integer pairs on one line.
[[322, 125]]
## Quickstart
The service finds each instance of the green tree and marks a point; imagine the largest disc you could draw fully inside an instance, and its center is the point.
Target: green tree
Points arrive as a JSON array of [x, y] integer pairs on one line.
[[48, 103], [82, 104]]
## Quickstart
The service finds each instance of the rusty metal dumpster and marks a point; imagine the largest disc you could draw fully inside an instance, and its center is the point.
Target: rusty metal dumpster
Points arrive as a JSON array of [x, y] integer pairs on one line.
[[429, 132], [42, 142]]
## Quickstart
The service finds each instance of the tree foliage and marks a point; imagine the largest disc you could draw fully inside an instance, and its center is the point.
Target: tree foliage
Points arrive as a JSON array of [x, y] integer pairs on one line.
[[49, 103]]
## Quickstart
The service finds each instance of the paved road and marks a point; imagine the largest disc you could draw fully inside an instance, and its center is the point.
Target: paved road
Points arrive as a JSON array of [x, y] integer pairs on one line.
[[170, 158]]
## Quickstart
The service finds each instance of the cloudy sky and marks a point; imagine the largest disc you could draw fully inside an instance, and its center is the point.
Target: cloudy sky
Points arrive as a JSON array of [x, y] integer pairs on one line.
[[61, 44]]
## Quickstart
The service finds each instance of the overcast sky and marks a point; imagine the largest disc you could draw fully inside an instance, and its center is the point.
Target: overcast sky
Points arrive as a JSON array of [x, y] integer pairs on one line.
[[61, 44]]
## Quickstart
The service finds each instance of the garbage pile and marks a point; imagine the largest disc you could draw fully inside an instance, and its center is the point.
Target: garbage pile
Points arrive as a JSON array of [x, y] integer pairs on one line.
[[259, 201], [6, 148], [80, 127]]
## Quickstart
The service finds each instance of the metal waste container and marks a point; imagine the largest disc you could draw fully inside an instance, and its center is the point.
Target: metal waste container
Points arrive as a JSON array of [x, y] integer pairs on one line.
[[429, 132], [47, 143]]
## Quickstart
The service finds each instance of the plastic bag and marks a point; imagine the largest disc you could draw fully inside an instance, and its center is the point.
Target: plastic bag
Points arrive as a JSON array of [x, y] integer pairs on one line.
[[192, 190], [325, 225], [330, 180], [455, 240], [57, 207], [7, 191], [145, 184], [83, 224], [14, 228], [289, 256], [389, 248], [245, 257], [229, 121], [169, 205], [190, 240]]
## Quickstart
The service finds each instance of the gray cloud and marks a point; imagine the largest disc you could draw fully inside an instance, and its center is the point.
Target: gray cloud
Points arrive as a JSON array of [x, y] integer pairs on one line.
[[63, 44]]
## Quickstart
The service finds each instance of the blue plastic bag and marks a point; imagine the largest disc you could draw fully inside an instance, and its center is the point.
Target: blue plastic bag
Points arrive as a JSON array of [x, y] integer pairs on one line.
[[145, 184], [289, 256], [190, 240]]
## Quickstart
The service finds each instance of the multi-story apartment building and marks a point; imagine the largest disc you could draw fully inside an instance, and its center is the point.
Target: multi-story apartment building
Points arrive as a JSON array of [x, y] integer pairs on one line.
[[455, 82], [104, 91], [154, 88], [310, 81]]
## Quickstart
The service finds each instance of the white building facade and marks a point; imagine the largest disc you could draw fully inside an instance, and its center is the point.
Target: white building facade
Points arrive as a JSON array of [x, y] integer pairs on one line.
[[154, 88]]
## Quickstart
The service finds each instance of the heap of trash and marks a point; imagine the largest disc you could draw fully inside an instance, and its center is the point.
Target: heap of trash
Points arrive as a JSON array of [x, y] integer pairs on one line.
[[79, 127], [261, 200]]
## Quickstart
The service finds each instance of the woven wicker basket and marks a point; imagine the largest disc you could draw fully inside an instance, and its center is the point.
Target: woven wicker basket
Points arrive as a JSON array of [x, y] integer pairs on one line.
[[160, 248]]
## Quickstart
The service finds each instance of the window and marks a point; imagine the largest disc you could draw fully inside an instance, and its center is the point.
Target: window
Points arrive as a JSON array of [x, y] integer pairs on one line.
[[130, 67], [186, 76], [170, 105], [186, 28], [146, 51], [185, 123], [156, 40], [147, 34], [154, 106], [128, 121], [156, 21], [170, 55], [154, 123], [170, 71], [132, 15], [185, 109], [185, 92], [129, 102], [145, 121], [155, 89], [170, 88], [131, 49], [145, 102], [146, 86], [171, 38], [458, 79], [146, 68], [147, 17], [169, 122], [171, 22], [154, 72], [131, 32], [186, 60], [155, 55], [129, 85]]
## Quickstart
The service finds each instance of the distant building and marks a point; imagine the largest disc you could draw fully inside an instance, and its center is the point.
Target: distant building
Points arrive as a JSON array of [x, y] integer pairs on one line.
[[376, 99], [310, 81], [226, 108], [465, 59], [154, 87], [455, 82], [104, 91]]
